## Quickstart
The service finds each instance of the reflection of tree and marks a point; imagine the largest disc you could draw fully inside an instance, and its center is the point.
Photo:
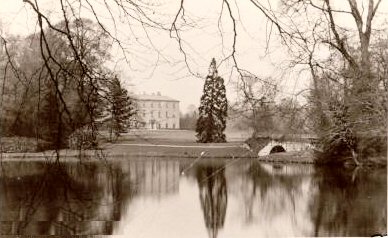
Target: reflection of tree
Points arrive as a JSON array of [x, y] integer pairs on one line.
[[349, 205], [340, 202], [256, 179], [213, 196], [63, 200], [261, 178], [287, 185], [271, 193]]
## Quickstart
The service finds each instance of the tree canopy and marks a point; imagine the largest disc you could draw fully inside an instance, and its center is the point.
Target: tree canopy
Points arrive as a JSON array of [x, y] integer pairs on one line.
[[213, 108]]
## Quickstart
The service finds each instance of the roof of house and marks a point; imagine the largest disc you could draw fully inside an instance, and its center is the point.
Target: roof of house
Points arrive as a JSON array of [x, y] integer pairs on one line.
[[147, 97]]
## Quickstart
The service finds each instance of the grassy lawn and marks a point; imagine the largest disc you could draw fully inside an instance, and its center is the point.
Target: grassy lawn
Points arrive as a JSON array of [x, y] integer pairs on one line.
[[181, 137], [175, 143], [177, 152], [156, 143]]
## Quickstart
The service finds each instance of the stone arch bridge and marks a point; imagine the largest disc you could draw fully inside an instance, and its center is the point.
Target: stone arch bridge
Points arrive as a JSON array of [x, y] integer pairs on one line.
[[288, 144]]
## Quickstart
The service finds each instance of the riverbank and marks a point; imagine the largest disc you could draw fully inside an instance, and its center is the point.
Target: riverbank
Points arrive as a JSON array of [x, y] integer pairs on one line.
[[167, 151], [182, 151], [176, 144], [136, 150], [300, 157], [151, 143]]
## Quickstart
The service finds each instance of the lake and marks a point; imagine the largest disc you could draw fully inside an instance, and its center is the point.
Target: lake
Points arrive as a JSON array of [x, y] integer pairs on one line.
[[145, 197]]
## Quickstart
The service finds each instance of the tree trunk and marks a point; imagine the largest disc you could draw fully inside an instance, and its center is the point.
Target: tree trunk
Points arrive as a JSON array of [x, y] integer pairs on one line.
[[355, 157], [110, 132]]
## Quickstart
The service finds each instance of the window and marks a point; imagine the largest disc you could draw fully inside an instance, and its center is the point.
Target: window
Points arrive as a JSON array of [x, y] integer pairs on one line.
[[152, 113], [144, 114], [159, 114], [144, 104], [166, 104], [166, 114], [173, 115], [173, 126], [152, 105], [166, 125], [160, 105], [173, 105]]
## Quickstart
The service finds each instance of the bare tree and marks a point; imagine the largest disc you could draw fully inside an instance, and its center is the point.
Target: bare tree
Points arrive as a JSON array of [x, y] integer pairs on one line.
[[350, 103], [256, 103], [80, 63], [308, 28]]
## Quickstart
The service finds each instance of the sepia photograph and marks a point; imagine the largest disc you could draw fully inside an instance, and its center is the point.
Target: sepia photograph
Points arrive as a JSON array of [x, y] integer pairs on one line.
[[193, 118]]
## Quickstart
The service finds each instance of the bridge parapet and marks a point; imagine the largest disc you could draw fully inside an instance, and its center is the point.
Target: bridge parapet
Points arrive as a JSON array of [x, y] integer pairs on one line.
[[285, 146]]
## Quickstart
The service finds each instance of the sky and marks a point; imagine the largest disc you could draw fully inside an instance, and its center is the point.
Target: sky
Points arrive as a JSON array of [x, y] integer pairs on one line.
[[153, 61]]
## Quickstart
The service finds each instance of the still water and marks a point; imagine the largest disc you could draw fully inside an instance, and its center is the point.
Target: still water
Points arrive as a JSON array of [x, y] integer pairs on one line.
[[179, 198]]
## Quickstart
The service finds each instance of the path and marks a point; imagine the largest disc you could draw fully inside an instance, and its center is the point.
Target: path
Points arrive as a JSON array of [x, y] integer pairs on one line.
[[181, 146]]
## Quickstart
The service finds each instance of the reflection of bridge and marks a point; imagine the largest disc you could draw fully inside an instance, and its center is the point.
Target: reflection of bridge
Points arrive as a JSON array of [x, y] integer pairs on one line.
[[288, 170], [288, 144]]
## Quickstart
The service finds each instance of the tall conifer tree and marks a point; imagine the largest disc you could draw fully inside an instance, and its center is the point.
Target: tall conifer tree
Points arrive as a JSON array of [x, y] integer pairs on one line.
[[213, 108], [121, 108]]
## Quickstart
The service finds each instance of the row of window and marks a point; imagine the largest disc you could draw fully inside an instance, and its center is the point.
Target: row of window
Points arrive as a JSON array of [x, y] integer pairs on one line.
[[159, 126], [160, 104], [159, 114]]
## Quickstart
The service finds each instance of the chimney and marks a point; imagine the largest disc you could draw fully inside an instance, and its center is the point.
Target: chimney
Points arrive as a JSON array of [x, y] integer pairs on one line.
[[158, 93]]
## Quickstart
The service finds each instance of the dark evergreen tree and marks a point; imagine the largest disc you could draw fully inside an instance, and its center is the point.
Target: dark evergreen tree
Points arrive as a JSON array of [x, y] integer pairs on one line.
[[52, 125], [213, 109], [121, 108]]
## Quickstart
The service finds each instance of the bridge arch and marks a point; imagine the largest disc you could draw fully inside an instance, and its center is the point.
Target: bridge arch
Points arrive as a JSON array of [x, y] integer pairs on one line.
[[284, 146], [277, 149]]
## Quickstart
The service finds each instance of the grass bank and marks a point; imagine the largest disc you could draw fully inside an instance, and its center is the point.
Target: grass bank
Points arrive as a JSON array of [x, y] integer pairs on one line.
[[177, 144], [146, 143], [302, 157]]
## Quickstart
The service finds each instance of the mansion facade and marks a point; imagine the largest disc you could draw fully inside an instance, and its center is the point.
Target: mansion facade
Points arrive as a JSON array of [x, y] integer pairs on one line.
[[157, 112]]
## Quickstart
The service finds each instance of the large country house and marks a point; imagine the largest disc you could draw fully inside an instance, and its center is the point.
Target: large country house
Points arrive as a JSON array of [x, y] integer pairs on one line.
[[156, 111]]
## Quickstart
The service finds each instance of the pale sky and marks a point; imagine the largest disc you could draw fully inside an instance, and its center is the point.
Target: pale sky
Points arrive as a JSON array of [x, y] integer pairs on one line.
[[155, 63]]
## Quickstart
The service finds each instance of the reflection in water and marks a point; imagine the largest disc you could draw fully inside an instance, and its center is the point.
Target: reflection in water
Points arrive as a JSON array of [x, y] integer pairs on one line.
[[148, 197], [213, 196], [39, 198], [295, 200], [54, 199], [274, 197], [349, 204], [154, 178]]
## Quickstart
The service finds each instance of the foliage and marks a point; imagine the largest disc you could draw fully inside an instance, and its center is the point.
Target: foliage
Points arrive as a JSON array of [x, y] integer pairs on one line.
[[51, 91], [348, 96], [349, 110], [290, 117], [188, 121], [355, 69], [258, 109], [337, 138], [82, 138], [265, 117], [120, 107], [19, 144], [213, 108], [255, 105]]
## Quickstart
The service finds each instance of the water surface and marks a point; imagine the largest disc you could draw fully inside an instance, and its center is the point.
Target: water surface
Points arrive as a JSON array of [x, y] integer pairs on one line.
[[179, 198]]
